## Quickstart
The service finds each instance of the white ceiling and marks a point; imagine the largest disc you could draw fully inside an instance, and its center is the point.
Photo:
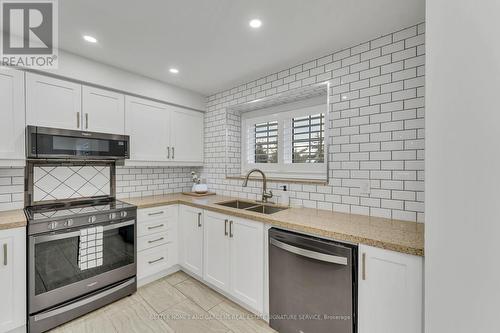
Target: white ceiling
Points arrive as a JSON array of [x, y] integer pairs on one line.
[[210, 42]]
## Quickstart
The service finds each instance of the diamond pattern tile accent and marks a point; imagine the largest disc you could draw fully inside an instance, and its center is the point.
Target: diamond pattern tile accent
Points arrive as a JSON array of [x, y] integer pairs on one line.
[[57, 183]]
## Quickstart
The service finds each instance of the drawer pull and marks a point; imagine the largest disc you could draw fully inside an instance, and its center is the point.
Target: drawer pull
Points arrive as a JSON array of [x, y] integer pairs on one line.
[[156, 226], [156, 240], [156, 213], [153, 261], [5, 254]]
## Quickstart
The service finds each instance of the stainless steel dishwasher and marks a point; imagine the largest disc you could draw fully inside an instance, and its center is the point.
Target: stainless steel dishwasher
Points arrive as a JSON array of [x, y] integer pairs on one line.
[[312, 284]]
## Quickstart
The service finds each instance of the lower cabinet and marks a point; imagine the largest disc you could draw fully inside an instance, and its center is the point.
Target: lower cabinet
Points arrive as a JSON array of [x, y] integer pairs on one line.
[[191, 235], [390, 296], [12, 279], [234, 257], [156, 240]]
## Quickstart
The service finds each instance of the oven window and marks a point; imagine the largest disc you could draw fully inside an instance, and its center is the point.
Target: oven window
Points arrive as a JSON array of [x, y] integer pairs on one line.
[[58, 263]]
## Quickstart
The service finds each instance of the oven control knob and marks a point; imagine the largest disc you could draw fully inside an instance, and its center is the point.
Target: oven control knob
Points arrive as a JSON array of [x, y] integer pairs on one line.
[[112, 216], [68, 223], [52, 225], [92, 219], [123, 214]]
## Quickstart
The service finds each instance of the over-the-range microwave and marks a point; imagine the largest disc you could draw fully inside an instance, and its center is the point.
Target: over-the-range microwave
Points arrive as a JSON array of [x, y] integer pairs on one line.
[[55, 143]]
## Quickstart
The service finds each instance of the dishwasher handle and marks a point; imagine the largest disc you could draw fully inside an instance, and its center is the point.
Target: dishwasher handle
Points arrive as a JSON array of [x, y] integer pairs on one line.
[[309, 254]]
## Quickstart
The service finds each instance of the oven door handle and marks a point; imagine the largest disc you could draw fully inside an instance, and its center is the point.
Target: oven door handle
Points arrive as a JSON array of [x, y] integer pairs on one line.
[[63, 235], [309, 254]]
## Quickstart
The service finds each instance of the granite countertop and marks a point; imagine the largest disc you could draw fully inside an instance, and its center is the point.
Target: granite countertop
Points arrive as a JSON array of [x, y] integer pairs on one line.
[[12, 219], [401, 236]]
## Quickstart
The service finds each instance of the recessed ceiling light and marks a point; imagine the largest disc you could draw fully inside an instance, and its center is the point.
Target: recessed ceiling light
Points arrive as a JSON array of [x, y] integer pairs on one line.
[[255, 23], [173, 70], [90, 39]]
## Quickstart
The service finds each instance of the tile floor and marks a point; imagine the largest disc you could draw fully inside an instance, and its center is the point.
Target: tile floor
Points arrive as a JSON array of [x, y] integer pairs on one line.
[[176, 303]]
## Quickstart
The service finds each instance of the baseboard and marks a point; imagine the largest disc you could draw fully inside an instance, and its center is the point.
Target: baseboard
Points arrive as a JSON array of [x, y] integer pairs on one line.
[[150, 278]]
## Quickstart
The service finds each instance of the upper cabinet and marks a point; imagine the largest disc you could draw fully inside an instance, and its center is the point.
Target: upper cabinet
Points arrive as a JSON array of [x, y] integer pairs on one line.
[[52, 102], [163, 134], [103, 111], [147, 123], [186, 135], [13, 117]]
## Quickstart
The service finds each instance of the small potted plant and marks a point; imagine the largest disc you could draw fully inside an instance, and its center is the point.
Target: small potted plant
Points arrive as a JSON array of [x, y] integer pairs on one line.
[[197, 186]]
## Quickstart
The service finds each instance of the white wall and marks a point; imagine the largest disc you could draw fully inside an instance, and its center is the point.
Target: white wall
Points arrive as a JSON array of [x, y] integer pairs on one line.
[[462, 183], [82, 69]]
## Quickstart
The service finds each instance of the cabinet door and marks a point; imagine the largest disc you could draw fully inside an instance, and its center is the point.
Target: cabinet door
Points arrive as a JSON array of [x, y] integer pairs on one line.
[[52, 102], [187, 135], [12, 278], [103, 111], [216, 250], [147, 124], [12, 115], [390, 291], [191, 239], [247, 262]]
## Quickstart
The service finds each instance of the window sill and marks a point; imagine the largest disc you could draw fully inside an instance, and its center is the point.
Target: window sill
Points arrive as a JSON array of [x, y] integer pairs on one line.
[[284, 180]]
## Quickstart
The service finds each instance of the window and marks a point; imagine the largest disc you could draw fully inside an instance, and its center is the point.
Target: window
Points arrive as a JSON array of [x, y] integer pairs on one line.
[[308, 139], [285, 142], [266, 142]]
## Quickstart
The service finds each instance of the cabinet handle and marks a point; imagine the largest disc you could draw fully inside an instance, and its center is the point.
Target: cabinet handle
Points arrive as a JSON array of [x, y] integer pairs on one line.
[[153, 261], [5, 254], [168, 152], [231, 229], [173, 152], [86, 121], [225, 227], [156, 240], [156, 213], [156, 226], [78, 120], [363, 266], [199, 220]]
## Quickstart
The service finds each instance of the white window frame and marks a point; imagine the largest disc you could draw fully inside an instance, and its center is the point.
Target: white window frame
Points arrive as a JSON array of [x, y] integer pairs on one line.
[[283, 115]]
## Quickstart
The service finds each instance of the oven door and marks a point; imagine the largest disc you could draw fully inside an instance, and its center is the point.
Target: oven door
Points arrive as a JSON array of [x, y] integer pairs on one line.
[[54, 143], [55, 273]]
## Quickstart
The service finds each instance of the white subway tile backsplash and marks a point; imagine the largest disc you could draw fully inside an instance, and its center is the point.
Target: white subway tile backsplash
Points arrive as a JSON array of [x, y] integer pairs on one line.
[[377, 107]]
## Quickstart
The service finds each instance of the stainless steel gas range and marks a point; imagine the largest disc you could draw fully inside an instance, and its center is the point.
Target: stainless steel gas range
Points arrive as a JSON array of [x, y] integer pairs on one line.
[[81, 256]]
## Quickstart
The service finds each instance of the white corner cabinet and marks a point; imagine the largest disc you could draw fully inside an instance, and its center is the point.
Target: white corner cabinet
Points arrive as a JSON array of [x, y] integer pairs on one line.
[[12, 279], [229, 251], [390, 298], [163, 134], [12, 115], [157, 242]]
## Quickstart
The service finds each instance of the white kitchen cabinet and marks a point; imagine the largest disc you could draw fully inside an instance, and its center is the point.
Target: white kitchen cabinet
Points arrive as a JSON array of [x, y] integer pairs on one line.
[[157, 243], [12, 279], [148, 125], [390, 296], [51, 102], [187, 135], [191, 239], [12, 113], [247, 262], [216, 250], [103, 111]]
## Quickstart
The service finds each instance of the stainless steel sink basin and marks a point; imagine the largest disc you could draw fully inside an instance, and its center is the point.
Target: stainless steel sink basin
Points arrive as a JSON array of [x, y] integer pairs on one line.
[[266, 209], [238, 204], [252, 206]]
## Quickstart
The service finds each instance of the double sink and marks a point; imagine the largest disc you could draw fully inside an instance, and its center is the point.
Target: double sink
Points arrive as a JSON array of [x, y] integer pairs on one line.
[[252, 206]]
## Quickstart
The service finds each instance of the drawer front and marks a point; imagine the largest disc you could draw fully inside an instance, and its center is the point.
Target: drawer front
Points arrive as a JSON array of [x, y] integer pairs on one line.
[[152, 260], [156, 239], [146, 228], [155, 213]]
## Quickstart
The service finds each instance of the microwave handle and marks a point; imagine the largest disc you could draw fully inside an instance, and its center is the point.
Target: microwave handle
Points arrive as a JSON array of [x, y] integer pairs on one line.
[[64, 235]]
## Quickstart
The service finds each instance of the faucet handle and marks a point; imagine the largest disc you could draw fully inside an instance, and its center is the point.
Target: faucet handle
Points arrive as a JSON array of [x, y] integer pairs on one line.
[[268, 194]]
